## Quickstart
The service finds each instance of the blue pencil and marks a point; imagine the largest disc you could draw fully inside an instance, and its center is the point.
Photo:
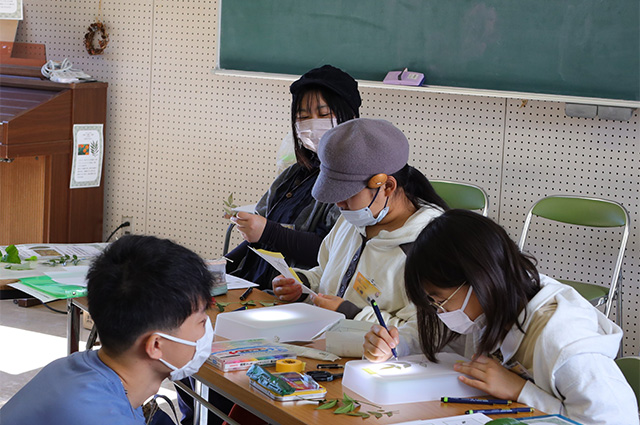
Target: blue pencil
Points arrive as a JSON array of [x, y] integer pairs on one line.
[[501, 411], [376, 310], [473, 400]]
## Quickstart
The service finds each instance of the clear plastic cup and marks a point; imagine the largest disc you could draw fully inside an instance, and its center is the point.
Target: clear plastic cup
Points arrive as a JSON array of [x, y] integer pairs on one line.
[[218, 271]]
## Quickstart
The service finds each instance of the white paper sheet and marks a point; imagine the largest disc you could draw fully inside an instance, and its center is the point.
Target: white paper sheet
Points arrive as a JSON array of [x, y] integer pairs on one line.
[[473, 419], [251, 209], [234, 282], [37, 294], [281, 265], [45, 252], [70, 276]]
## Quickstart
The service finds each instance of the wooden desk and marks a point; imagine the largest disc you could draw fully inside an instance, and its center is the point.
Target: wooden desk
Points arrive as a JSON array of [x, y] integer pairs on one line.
[[236, 387]]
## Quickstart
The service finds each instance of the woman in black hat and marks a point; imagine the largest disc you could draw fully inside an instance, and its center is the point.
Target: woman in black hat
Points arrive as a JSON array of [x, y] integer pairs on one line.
[[289, 220]]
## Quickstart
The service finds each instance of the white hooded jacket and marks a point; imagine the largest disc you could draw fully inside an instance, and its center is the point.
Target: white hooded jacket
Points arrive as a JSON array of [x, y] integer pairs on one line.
[[573, 368], [382, 261]]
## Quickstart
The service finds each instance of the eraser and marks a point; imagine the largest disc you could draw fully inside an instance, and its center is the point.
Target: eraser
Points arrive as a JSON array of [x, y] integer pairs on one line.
[[614, 113], [404, 78], [580, 111]]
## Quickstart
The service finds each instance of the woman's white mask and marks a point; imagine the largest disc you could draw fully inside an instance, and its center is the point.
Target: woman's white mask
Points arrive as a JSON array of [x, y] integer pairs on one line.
[[311, 131]]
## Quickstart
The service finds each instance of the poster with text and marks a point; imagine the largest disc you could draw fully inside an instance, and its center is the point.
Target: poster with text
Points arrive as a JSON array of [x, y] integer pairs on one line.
[[88, 145], [11, 9]]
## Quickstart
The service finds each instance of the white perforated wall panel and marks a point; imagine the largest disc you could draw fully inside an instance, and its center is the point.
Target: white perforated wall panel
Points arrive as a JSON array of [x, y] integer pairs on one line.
[[181, 139]]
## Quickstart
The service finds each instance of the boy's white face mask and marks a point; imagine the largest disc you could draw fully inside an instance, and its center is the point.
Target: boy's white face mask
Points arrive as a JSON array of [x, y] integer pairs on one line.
[[203, 350], [311, 131]]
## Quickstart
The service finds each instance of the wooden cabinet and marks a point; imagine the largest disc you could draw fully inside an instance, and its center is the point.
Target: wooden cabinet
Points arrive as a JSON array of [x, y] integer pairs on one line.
[[36, 140]]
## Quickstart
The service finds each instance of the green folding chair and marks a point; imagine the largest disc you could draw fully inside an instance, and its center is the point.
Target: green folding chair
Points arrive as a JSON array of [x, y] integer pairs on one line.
[[630, 367], [465, 196], [593, 213]]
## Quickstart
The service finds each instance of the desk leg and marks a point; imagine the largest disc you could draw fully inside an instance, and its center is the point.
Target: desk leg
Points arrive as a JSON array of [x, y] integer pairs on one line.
[[202, 405], [73, 326], [201, 415]]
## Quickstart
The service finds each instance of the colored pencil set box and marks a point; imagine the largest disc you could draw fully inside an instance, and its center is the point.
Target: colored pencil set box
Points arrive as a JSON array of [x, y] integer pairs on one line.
[[242, 354]]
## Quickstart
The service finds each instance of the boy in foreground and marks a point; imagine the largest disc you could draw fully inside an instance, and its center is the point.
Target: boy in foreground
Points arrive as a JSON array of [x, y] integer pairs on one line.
[[147, 298]]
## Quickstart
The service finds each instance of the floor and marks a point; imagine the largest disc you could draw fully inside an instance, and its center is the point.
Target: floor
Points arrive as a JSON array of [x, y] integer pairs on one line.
[[31, 338]]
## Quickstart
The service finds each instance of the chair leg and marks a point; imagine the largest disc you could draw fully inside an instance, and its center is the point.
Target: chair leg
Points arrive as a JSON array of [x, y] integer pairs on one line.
[[619, 312]]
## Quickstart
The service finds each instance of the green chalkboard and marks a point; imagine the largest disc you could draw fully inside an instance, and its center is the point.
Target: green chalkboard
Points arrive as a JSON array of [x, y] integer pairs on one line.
[[585, 48]]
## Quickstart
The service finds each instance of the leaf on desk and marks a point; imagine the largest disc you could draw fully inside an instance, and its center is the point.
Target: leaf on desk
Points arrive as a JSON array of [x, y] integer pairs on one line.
[[361, 414], [268, 303], [346, 399], [221, 306], [328, 405], [378, 415], [349, 407], [11, 255], [248, 303]]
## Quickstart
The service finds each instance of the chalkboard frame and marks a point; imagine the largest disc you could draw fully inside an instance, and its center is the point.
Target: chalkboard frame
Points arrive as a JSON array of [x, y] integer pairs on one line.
[[628, 85]]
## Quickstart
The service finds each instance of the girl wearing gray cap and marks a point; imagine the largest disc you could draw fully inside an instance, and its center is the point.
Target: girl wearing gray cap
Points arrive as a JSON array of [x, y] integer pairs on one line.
[[384, 204], [288, 219]]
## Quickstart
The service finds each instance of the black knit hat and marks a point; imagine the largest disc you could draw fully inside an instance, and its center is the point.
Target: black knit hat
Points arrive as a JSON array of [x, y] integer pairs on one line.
[[332, 78]]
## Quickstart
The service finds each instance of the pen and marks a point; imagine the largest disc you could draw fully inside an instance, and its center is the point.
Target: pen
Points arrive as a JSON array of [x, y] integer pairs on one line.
[[244, 307], [245, 294], [473, 400], [500, 411], [329, 366], [376, 310]]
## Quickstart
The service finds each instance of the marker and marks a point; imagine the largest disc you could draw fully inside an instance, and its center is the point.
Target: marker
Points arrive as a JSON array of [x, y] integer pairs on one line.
[[501, 411], [245, 294], [376, 310], [473, 400], [329, 366], [244, 307]]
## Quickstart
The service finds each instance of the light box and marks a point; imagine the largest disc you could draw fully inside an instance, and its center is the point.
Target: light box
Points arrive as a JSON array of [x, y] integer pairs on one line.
[[280, 323], [411, 379]]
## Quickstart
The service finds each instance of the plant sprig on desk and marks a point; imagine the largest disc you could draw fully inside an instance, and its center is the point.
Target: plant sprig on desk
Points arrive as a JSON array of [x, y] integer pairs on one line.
[[11, 255], [221, 306], [349, 406], [63, 260]]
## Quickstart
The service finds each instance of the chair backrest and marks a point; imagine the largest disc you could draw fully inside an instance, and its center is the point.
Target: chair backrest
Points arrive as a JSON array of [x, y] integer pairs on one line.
[[462, 195], [584, 211], [630, 367]]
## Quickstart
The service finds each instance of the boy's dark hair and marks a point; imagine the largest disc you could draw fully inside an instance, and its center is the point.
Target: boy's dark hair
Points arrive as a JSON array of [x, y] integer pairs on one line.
[[462, 246], [141, 284]]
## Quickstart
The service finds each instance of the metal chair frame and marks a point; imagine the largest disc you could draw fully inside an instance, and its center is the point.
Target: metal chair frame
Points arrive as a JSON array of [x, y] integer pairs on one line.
[[596, 217]]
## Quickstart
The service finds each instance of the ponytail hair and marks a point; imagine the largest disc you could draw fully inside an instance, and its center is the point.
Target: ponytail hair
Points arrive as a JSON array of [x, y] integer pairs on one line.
[[417, 188]]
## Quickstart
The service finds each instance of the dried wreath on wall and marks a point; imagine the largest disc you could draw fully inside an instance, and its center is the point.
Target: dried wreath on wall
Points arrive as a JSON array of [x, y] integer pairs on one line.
[[96, 46]]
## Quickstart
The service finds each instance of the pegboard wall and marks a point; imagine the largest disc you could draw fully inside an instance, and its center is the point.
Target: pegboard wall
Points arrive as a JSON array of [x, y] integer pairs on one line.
[[180, 139]]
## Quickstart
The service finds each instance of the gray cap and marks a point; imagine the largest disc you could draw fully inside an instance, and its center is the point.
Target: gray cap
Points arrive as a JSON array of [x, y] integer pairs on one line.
[[353, 152]]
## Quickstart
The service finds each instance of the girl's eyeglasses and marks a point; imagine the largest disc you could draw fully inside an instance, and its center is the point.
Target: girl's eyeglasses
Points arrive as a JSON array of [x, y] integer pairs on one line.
[[440, 305]]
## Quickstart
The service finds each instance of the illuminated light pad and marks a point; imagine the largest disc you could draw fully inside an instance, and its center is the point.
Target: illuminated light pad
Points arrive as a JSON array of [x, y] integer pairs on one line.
[[409, 380], [280, 323]]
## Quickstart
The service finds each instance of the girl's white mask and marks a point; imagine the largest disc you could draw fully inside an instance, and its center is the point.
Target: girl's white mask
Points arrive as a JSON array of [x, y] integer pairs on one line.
[[311, 131], [457, 320]]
